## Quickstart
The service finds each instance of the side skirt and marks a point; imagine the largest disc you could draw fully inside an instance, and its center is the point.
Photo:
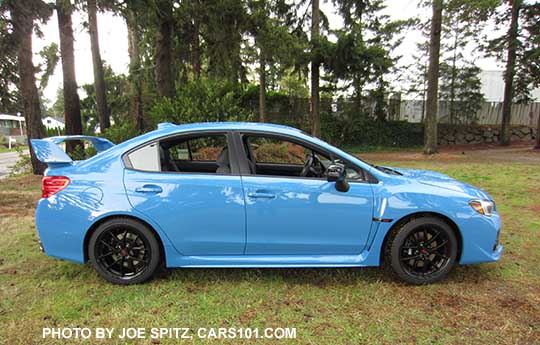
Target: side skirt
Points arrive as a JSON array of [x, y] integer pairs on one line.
[[271, 261]]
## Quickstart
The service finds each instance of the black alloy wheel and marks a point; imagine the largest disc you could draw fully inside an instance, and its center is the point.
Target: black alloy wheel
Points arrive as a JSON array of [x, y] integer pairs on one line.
[[421, 251], [124, 251]]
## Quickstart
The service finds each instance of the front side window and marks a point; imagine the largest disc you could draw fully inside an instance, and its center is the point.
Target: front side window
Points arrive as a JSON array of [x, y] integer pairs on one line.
[[271, 150], [275, 156]]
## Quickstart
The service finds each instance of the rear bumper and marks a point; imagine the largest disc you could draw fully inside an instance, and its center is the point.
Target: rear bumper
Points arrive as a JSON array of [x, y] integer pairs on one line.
[[60, 231]]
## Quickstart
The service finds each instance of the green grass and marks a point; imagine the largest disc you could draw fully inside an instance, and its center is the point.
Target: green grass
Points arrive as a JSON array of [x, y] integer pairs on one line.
[[487, 303], [13, 149]]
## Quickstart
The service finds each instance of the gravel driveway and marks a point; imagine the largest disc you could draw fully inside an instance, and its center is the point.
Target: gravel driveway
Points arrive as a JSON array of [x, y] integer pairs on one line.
[[7, 160]]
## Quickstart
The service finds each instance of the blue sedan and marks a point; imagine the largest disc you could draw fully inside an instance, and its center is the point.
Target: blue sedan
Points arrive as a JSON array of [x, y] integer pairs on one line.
[[254, 195]]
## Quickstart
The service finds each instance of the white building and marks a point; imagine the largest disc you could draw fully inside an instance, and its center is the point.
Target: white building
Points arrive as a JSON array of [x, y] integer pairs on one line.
[[11, 125], [493, 86], [12, 129], [51, 123]]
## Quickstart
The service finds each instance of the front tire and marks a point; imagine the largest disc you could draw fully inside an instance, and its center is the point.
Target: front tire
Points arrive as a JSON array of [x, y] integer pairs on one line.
[[421, 251], [124, 251]]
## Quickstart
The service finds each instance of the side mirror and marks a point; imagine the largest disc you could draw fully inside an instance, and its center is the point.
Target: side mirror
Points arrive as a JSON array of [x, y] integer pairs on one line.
[[336, 173]]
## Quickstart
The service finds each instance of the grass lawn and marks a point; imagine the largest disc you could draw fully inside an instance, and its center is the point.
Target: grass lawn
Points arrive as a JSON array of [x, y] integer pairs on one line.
[[5, 149], [488, 303]]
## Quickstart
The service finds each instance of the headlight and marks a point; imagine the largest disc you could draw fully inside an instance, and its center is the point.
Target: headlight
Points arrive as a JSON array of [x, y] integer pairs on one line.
[[484, 207]]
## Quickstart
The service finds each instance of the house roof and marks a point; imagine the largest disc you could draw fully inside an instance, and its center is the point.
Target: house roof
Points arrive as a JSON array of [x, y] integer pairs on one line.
[[11, 117]]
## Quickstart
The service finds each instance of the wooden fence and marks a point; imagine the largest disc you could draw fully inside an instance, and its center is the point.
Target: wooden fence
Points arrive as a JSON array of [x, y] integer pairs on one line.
[[489, 114], [295, 111]]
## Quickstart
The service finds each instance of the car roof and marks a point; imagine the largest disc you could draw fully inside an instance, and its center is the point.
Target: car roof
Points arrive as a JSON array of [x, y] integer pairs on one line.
[[165, 129], [228, 126]]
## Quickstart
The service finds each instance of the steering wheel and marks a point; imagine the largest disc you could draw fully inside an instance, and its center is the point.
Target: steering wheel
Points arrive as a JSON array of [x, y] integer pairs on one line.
[[312, 167]]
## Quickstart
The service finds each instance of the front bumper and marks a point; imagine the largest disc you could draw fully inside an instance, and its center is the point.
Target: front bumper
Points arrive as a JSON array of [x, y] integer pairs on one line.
[[496, 255], [480, 236]]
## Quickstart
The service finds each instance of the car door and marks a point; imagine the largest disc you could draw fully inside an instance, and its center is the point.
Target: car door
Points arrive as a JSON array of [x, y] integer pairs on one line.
[[291, 215], [174, 182]]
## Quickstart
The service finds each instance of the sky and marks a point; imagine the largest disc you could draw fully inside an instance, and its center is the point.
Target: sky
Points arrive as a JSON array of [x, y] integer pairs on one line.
[[113, 42]]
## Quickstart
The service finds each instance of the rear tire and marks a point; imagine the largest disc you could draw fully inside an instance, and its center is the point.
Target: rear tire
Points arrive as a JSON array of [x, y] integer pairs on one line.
[[124, 251], [421, 251]]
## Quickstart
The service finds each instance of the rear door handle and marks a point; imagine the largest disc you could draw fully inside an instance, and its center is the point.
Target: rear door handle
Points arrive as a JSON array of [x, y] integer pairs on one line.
[[149, 189], [261, 195]]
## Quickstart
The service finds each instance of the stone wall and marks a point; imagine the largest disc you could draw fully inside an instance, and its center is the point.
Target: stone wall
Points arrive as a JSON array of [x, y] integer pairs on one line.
[[462, 135]]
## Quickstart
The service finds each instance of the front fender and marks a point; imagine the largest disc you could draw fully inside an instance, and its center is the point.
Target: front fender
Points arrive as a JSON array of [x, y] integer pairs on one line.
[[397, 200]]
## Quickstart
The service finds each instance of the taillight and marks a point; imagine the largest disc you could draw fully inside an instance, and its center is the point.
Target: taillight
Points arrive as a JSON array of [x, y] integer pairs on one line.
[[51, 185]]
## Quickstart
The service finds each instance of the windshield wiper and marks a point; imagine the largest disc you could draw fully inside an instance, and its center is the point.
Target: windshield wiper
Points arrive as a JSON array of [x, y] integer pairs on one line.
[[387, 170]]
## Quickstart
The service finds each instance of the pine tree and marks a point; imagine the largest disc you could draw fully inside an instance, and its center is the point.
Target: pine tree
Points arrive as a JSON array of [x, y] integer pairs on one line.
[[430, 127], [277, 48], [164, 75], [99, 77], [23, 14], [72, 106], [315, 113], [362, 55]]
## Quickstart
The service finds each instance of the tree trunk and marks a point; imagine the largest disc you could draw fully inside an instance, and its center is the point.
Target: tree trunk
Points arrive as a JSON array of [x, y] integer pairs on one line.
[[537, 146], [315, 100], [453, 79], [23, 23], [424, 90], [99, 78], [262, 88], [509, 72], [164, 77], [135, 76], [196, 49], [72, 106], [430, 127]]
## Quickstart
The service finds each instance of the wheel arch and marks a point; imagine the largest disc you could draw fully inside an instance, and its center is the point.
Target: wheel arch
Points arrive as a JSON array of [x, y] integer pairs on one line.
[[409, 217], [117, 216]]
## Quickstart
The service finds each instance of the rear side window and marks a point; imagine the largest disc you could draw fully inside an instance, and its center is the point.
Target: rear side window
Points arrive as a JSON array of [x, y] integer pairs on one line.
[[145, 158], [205, 153]]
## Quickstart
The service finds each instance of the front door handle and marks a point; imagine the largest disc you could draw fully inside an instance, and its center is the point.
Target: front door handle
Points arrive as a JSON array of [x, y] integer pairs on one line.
[[261, 195], [149, 189]]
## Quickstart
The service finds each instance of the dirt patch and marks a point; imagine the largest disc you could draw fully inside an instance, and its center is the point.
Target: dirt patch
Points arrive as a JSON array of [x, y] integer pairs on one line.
[[520, 152], [475, 307], [17, 204], [411, 156], [535, 208], [24, 182], [494, 146]]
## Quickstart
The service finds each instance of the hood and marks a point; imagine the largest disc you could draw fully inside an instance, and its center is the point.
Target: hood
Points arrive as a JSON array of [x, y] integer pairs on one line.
[[435, 179]]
